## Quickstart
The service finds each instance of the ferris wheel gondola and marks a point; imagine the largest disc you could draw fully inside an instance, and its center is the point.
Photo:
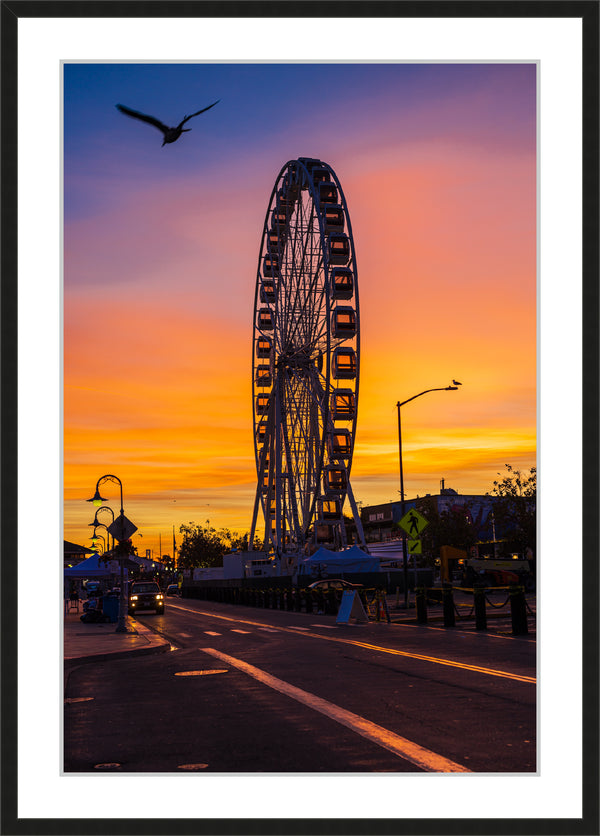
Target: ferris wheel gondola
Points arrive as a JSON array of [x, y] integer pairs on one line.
[[305, 361]]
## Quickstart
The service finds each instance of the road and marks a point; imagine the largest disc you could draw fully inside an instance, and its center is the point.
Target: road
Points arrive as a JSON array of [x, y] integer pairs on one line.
[[255, 690]]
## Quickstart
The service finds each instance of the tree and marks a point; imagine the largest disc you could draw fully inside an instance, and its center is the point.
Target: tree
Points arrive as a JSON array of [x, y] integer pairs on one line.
[[204, 546], [453, 527], [515, 506]]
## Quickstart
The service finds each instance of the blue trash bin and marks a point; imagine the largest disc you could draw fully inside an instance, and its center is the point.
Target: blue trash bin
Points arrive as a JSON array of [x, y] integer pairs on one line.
[[110, 607]]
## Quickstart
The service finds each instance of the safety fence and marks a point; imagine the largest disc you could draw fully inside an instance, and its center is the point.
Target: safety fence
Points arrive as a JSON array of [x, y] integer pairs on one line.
[[374, 601], [515, 602], [292, 599]]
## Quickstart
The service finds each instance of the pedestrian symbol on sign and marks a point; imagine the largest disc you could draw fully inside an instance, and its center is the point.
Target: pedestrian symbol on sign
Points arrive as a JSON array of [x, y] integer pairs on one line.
[[413, 523]]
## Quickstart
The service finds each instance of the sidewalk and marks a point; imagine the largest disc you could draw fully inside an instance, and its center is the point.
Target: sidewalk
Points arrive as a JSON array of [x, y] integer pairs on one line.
[[99, 642]]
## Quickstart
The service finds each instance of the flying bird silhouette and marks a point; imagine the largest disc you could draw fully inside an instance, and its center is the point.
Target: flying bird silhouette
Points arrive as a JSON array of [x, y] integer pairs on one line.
[[169, 134]]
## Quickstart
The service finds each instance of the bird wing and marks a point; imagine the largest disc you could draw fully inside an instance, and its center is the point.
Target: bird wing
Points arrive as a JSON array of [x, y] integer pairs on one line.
[[184, 120], [144, 117]]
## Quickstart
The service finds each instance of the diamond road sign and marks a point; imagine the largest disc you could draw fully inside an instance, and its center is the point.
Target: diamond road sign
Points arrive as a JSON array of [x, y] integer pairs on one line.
[[413, 523], [122, 528]]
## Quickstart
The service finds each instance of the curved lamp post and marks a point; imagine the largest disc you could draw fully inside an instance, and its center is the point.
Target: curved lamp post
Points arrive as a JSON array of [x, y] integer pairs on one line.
[[108, 535], [97, 500], [96, 522], [455, 386]]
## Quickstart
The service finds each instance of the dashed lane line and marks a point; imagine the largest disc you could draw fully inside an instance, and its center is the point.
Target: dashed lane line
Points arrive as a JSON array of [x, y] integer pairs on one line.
[[402, 747], [379, 648]]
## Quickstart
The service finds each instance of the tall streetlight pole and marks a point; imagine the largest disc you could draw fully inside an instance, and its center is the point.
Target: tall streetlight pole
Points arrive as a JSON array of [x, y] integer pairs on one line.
[[97, 500], [402, 500]]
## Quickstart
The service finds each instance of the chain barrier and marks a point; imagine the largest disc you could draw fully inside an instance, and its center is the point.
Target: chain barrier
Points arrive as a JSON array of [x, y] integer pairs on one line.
[[497, 606]]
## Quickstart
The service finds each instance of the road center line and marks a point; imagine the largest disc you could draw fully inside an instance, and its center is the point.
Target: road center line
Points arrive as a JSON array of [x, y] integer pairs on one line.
[[329, 638], [419, 756]]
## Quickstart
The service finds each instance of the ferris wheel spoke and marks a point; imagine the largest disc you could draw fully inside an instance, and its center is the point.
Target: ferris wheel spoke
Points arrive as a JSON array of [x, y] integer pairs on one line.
[[302, 437]]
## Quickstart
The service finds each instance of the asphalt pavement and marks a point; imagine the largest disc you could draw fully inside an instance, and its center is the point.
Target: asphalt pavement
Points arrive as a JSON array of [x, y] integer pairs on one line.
[[291, 692], [84, 642]]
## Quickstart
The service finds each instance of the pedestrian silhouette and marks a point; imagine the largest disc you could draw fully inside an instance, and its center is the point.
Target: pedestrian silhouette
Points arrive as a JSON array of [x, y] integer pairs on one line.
[[414, 523]]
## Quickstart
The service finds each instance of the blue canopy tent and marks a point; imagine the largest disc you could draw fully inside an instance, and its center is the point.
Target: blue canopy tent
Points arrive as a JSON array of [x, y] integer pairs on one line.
[[335, 564], [90, 568]]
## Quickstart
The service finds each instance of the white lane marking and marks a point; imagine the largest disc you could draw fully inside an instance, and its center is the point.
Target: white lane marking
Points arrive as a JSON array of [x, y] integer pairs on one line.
[[193, 766], [211, 633], [433, 659], [184, 635], [423, 758], [199, 673], [246, 632], [301, 628], [267, 630], [325, 626]]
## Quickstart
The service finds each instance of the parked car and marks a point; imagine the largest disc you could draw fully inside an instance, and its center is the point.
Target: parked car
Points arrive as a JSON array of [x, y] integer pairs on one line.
[[173, 589], [334, 583], [145, 595]]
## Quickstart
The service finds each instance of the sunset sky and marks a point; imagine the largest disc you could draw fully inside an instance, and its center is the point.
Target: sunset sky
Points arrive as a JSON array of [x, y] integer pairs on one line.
[[438, 166]]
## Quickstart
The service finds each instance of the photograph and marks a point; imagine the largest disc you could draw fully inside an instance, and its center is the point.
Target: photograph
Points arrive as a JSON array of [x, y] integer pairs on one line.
[[243, 245]]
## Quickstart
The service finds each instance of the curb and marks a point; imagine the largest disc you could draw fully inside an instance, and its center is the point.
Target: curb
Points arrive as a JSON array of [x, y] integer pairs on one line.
[[157, 645], [118, 654]]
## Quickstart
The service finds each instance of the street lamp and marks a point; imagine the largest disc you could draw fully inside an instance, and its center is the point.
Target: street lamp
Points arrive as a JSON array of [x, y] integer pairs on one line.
[[95, 538], [455, 386], [96, 523], [97, 500], [107, 543]]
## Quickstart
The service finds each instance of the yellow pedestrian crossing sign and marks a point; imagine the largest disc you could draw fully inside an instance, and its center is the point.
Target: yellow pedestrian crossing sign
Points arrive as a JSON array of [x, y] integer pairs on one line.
[[413, 523]]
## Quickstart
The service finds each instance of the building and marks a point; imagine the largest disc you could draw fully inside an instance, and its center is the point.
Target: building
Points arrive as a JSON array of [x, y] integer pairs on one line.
[[381, 522], [74, 554]]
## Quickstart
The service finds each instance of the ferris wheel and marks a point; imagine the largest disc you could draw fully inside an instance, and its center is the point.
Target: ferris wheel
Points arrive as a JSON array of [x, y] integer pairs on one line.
[[305, 361]]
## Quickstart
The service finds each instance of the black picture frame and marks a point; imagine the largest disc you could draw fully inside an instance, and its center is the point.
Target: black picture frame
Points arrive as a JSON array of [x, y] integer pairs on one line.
[[14, 10]]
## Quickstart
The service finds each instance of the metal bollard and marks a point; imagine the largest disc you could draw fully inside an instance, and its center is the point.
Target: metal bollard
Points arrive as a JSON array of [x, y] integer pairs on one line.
[[518, 610], [421, 604], [479, 606], [448, 604]]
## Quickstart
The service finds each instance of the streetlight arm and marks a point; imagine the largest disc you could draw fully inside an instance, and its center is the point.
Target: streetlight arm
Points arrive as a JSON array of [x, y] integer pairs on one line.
[[110, 478], [104, 508], [438, 389]]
